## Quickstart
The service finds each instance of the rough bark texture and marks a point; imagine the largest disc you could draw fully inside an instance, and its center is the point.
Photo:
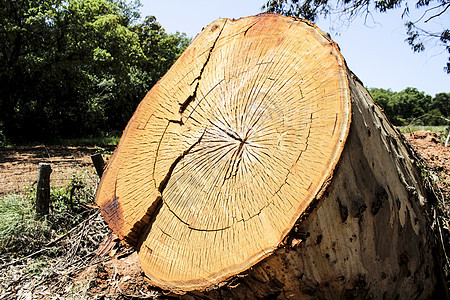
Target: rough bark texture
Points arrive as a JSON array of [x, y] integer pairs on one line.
[[239, 175], [367, 237]]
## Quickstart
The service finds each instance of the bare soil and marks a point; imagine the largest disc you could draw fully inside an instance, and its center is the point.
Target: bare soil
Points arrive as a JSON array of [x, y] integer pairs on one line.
[[19, 165], [120, 276], [431, 148]]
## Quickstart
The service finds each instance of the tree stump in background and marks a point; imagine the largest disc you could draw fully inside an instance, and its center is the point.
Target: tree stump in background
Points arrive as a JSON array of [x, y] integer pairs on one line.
[[259, 166]]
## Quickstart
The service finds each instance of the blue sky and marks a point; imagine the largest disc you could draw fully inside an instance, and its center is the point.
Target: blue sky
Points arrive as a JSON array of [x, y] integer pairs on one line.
[[375, 51]]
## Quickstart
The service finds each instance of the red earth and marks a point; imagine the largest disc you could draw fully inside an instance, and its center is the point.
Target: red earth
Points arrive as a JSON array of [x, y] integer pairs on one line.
[[120, 276], [431, 148]]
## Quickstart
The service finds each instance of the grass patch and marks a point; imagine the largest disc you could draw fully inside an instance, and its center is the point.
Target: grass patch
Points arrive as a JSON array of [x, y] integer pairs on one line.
[[44, 254], [88, 141], [100, 141], [19, 226], [413, 128]]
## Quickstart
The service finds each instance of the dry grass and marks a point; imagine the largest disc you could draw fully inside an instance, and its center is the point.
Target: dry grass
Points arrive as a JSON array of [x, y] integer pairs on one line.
[[43, 258], [39, 257]]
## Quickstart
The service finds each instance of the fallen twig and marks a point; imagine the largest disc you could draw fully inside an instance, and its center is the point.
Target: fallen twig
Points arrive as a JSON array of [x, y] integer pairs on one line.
[[23, 258], [71, 230]]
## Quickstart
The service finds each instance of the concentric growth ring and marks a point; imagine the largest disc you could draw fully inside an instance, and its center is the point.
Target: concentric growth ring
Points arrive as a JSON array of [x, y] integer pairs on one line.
[[226, 152]]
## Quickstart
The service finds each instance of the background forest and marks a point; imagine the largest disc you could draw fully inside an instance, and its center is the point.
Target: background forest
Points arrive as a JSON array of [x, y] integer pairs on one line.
[[79, 68], [411, 106]]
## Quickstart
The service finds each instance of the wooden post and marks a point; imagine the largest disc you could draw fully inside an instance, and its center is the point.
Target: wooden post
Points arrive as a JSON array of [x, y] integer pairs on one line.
[[99, 163], [43, 189]]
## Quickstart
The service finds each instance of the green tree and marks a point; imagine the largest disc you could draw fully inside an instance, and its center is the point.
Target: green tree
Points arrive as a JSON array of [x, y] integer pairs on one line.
[[388, 101], [412, 105], [419, 31], [160, 49], [77, 67], [26, 30], [441, 102]]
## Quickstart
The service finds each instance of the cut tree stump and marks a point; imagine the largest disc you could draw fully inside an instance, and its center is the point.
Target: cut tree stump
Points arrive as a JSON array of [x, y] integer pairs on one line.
[[259, 166]]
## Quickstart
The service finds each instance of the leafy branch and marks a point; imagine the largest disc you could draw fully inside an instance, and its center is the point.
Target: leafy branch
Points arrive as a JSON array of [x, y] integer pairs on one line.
[[418, 35]]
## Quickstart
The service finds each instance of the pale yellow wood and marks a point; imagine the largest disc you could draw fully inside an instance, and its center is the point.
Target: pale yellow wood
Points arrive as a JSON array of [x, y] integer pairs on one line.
[[228, 150], [368, 235]]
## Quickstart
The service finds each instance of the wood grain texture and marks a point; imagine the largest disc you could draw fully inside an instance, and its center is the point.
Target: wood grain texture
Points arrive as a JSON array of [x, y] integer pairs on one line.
[[369, 235], [228, 149]]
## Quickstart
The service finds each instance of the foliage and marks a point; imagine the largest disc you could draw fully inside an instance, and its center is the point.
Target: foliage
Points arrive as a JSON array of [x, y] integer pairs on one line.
[[3, 139], [35, 253], [107, 140], [440, 130], [410, 105], [20, 226], [78, 67], [420, 31]]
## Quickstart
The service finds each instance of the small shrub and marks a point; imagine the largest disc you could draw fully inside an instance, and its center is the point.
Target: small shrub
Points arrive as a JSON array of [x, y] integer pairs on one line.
[[22, 232]]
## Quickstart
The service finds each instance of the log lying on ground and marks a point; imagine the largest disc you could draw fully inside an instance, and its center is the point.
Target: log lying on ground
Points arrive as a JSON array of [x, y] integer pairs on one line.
[[239, 174]]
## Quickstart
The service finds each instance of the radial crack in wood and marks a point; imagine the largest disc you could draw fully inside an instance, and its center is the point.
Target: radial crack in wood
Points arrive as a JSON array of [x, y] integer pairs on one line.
[[234, 151], [192, 97], [163, 183], [264, 121]]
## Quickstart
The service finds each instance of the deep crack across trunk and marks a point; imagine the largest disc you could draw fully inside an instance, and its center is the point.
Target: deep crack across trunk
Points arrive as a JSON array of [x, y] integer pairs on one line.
[[164, 182], [191, 98]]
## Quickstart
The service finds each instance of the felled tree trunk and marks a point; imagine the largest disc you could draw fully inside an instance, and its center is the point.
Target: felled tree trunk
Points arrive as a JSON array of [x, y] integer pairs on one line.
[[259, 166]]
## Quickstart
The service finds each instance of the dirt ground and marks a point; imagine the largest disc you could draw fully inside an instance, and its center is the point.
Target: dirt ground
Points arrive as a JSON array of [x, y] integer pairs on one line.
[[430, 146], [120, 275], [19, 166]]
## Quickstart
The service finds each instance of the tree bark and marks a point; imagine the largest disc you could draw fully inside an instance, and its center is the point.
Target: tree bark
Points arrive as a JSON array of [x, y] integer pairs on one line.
[[240, 176]]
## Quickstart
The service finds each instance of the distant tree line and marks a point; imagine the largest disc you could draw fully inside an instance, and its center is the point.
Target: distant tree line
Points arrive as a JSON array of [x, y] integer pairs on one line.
[[411, 105], [77, 68], [73, 68]]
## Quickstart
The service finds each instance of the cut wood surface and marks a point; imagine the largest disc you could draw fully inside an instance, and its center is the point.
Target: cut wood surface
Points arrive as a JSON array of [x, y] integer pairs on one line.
[[227, 151], [232, 178]]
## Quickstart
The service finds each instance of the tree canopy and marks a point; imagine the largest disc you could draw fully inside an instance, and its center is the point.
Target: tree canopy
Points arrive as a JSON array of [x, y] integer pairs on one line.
[[410, 105], [74, 68], [420, 32], [77, 67]]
